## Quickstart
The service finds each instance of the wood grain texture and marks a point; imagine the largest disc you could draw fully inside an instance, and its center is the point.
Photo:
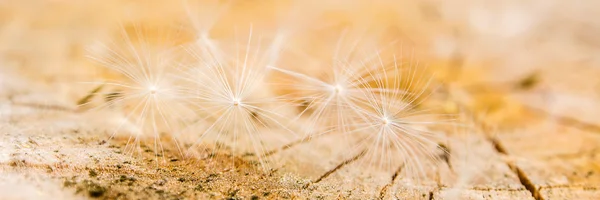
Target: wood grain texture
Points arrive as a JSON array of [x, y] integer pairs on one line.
[[527, 96]]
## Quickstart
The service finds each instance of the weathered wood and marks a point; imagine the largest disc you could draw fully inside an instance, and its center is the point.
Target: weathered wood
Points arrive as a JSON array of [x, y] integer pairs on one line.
[[552, 155], [479, 172]]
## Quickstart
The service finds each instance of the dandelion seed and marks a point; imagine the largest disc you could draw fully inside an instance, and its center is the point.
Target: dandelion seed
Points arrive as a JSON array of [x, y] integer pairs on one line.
[[232, 95], [391, 128], [371, 104], [385, 121], [333, 98], [143, 87]]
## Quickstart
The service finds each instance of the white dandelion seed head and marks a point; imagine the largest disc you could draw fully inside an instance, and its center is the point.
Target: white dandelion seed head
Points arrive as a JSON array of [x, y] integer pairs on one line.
[[338, 89], [369, 105], [228, 88], [152, 89], [236, 102], [385, 121], [138, 85]]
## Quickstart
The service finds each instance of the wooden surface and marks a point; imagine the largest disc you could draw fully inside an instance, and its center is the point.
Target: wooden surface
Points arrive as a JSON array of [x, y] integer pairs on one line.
[[515, 140], [547, 159]]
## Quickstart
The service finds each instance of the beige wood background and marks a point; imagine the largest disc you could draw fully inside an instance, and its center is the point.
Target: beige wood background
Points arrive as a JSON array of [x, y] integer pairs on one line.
[[527, 94]]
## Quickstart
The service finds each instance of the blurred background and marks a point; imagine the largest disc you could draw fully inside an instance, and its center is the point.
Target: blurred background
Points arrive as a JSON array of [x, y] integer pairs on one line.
[[553, 43], [505, 61]]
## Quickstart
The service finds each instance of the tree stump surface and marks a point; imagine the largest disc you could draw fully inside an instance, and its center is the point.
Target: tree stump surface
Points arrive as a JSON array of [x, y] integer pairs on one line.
[[50, 150], [55, 151]]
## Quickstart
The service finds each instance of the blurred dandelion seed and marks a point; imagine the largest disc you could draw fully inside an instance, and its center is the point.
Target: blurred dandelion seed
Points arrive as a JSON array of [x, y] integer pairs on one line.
[[373, 104], [233, 97], [337, 95], [140, 83], [390, 127]]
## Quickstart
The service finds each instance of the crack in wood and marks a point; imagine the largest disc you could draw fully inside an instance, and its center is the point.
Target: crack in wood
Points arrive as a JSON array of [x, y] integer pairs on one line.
[[294, 143], [430, 196], [86, 99], [445, 155], [564, 120], [523, 179], [496, 189], [383, 190], [339, 166], [285, 147], [582, 187]]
